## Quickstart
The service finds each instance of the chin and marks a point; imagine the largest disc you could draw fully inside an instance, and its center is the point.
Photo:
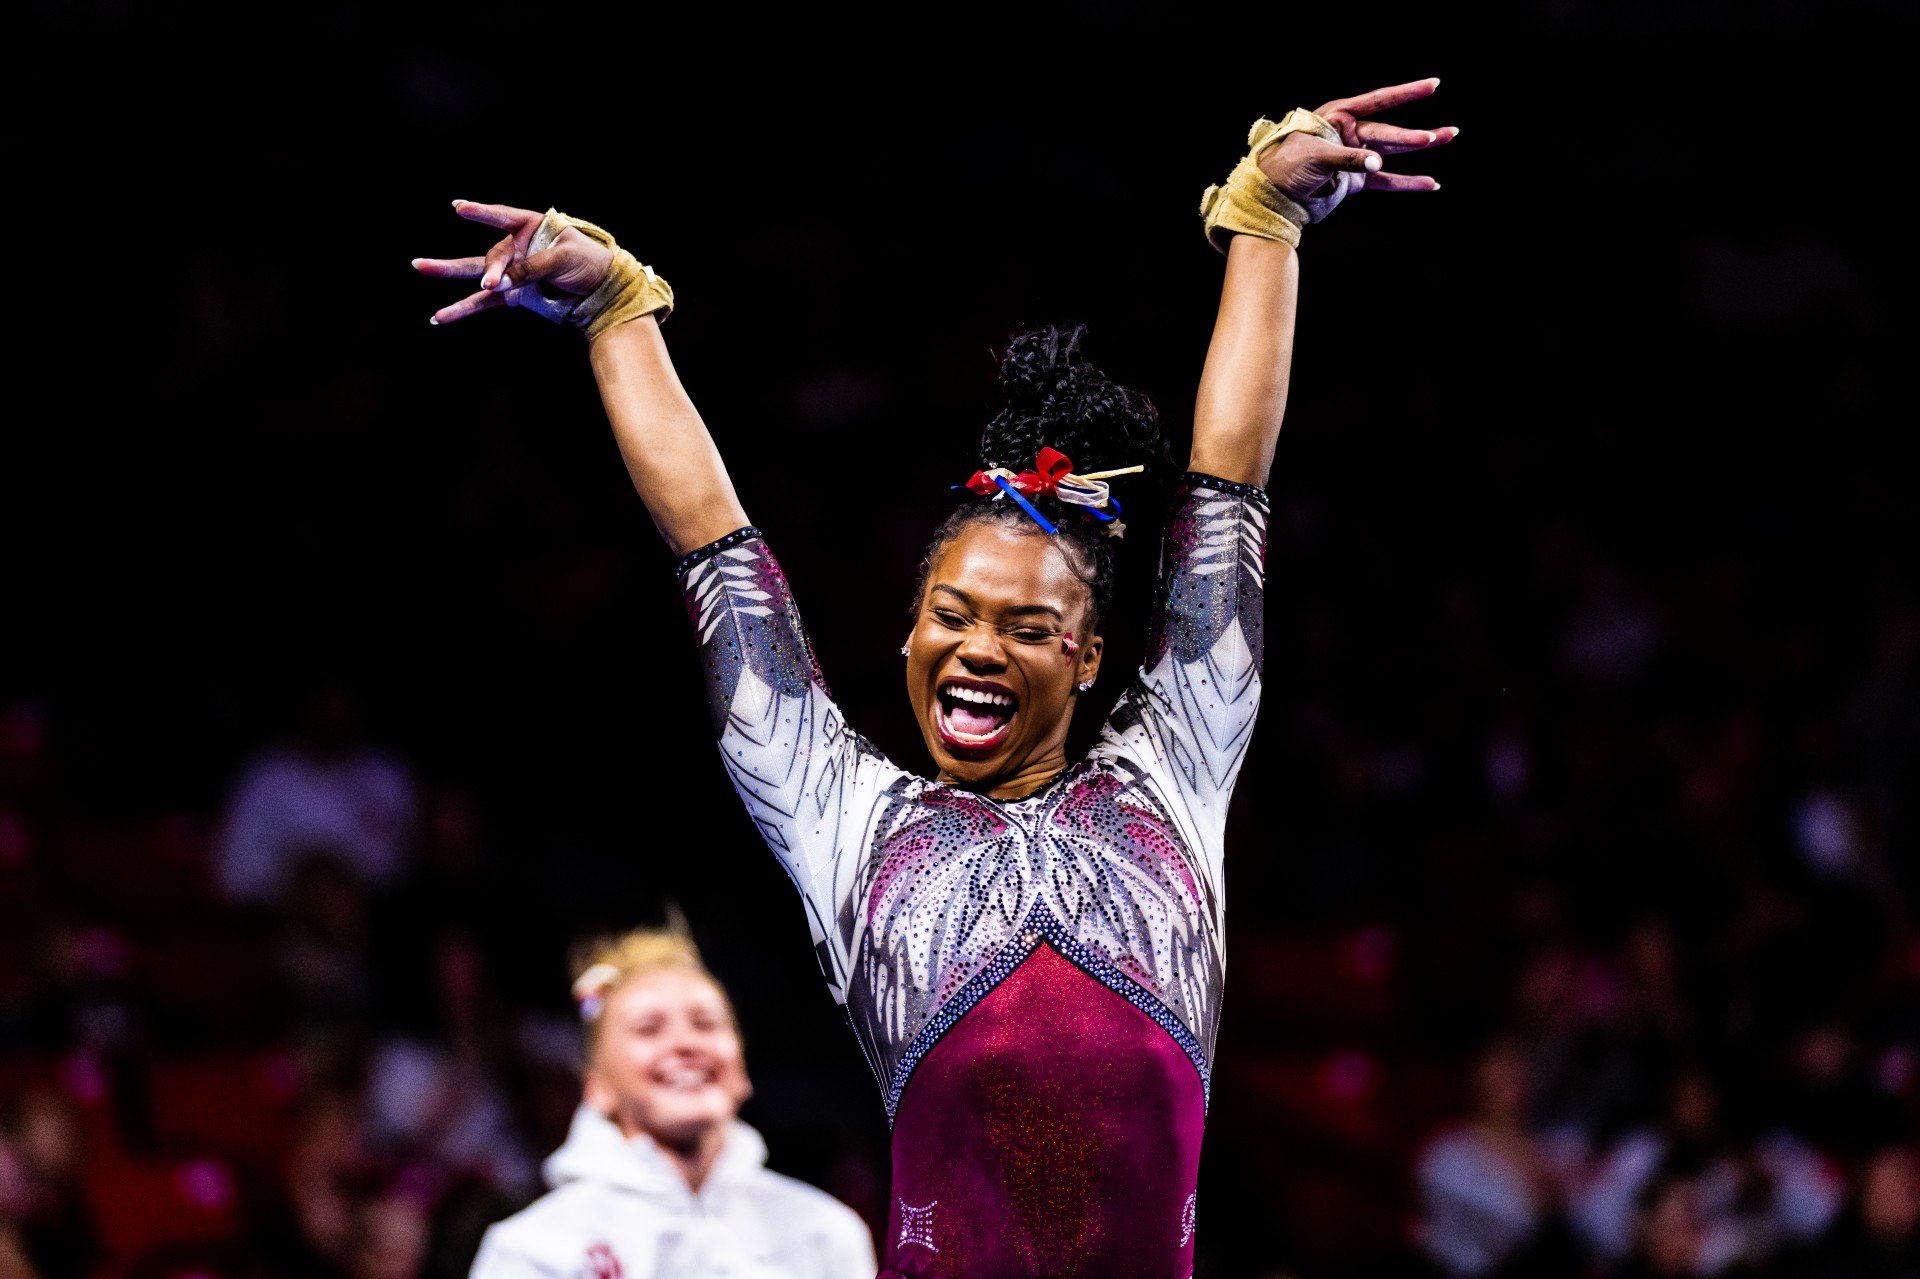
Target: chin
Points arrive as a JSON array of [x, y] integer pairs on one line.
[[683, 1120], [968, 764]]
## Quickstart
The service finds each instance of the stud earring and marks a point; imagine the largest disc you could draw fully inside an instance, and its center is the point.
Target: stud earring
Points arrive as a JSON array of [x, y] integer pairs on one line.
[[906, 651], [1085, 686]]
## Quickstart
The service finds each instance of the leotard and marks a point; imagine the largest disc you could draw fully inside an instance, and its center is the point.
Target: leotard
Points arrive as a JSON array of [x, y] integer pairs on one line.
[[1036, 983]]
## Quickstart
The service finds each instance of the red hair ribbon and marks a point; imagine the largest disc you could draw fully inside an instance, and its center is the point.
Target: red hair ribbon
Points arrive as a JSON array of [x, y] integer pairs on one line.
[[1043, 480], [1052, 476]]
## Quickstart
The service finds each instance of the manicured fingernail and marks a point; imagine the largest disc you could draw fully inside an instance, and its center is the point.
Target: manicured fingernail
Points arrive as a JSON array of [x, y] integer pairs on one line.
[[416, 263], [1433, 137], [1371, 164], [1436, 186], [1434, 81], [434, 320], [458, 203], [1454, 129]]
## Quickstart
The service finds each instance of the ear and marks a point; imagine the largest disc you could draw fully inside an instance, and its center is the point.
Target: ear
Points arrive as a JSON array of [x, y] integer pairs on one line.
[[1090, 654]]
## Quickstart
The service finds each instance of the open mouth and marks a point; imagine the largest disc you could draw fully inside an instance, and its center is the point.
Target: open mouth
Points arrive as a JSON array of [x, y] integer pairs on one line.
[[682, 1078], [974, 715]]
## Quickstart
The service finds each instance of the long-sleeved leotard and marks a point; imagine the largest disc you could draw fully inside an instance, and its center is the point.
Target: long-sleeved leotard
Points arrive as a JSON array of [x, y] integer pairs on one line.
[[1058, 1128]]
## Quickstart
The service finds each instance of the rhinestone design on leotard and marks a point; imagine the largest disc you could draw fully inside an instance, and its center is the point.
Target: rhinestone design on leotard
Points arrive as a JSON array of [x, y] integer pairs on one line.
[[916, 1225], [917, 893], [1043, 929]]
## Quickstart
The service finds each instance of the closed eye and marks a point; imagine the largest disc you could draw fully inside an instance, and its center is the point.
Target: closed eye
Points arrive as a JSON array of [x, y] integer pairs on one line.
[[1031, 635], [949, 618]]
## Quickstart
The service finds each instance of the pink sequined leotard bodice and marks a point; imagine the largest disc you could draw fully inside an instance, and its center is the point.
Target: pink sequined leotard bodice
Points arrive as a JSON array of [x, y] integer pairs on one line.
[[1036, 983]]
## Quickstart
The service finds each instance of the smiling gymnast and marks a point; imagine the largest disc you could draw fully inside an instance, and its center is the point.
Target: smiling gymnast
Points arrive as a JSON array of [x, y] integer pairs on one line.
[[1028, 947]]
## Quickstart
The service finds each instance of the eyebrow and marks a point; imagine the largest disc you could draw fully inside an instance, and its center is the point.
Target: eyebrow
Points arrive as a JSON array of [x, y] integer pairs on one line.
[[1017, 611]]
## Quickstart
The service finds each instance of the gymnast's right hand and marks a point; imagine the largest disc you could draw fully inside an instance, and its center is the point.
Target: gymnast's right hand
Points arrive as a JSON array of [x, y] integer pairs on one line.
[[574, 264]]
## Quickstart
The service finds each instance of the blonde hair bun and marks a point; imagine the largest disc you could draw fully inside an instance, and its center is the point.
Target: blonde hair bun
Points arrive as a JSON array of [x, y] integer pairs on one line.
[[605, 965]]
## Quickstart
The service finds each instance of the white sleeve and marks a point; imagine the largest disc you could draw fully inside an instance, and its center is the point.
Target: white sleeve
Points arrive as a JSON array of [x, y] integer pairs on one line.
[[852, 1250], [813, 786], [1187, 719], [499, 1259]]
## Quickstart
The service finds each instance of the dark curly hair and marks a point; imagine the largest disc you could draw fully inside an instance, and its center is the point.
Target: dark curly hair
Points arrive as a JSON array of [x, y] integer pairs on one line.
[[1056, 398]]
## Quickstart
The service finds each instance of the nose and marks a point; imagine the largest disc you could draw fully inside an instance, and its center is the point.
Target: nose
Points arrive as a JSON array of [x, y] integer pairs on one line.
[[982, 650]]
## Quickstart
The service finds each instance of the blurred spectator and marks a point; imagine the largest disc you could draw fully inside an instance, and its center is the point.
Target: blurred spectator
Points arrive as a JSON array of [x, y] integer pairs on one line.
[[325, 792], [440, 1097], [1492, 1201], [42, 1212], [1879, 1238], [658, 1175], [1670, 1233], [326, 1176], [1686, 1187]]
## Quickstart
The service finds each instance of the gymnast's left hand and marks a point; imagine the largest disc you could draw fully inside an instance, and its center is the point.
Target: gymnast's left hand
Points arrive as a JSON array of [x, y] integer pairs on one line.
[[574, 263], [1319, 174]]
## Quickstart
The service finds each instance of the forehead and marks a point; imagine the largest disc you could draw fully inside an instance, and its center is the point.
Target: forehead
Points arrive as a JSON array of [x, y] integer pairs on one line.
[[666, 990], [1002, 567]]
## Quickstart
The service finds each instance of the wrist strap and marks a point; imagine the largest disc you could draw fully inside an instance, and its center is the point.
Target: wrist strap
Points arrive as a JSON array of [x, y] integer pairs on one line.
[[629, 291], [1248, 203]]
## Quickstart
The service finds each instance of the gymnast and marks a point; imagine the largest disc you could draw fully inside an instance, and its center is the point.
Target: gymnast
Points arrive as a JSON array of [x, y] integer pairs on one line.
[[1028, 947]]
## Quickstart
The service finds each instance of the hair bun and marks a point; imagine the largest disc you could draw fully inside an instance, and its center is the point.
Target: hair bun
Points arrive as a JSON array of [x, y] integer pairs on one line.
[[1039, 370], [1057, 398]]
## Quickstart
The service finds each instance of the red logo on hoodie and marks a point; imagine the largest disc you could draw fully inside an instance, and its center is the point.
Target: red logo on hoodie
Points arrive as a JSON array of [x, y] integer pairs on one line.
[[602, 1264]]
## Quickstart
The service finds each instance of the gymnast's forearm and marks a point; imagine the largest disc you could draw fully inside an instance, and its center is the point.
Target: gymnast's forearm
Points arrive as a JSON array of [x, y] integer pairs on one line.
[[1243, 388], [670, 457]]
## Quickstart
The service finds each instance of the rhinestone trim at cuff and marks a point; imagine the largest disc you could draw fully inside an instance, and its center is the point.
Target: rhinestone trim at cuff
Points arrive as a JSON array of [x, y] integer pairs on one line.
[[712, 549], [1201, 480]]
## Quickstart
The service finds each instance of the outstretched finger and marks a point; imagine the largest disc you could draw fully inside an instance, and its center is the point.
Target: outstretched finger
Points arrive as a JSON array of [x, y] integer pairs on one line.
[[504, 216], [450, 268], [1381, 99], [1390, 139], [472, 304], [1399, 182]]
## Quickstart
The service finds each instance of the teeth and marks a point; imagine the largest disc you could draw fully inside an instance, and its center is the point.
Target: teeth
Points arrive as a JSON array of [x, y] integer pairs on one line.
[[978, 696]]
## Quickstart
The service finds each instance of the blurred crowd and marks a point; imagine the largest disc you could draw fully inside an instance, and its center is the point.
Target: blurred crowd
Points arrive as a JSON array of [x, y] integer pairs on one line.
[[264, 1041]]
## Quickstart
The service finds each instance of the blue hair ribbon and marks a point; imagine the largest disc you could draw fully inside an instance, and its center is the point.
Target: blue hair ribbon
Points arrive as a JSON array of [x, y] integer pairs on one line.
[[1025, 505]]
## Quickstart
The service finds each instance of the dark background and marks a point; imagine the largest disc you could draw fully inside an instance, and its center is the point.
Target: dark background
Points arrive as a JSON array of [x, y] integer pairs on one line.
[[1594, 462]]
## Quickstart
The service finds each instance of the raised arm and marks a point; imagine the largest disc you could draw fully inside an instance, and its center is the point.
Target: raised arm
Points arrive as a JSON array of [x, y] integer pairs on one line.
[[670, 456], [813, 786], [1243, 388], [1187, 720]]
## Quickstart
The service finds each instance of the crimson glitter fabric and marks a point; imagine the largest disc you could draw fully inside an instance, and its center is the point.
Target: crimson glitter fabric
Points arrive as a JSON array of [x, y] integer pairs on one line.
[[1078, 1148], [1101, 891]]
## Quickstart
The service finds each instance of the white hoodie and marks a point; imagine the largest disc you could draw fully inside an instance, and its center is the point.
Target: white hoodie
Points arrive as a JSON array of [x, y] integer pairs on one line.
[[620, 1210]]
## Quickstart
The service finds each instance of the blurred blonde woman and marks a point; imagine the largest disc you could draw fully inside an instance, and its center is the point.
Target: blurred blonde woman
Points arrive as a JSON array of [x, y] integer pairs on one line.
[[658, 1177]]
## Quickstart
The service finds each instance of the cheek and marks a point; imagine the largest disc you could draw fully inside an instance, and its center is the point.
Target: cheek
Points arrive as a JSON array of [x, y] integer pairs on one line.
[[1049, 671], [638, 1056], [927, 647], [929, 637]]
